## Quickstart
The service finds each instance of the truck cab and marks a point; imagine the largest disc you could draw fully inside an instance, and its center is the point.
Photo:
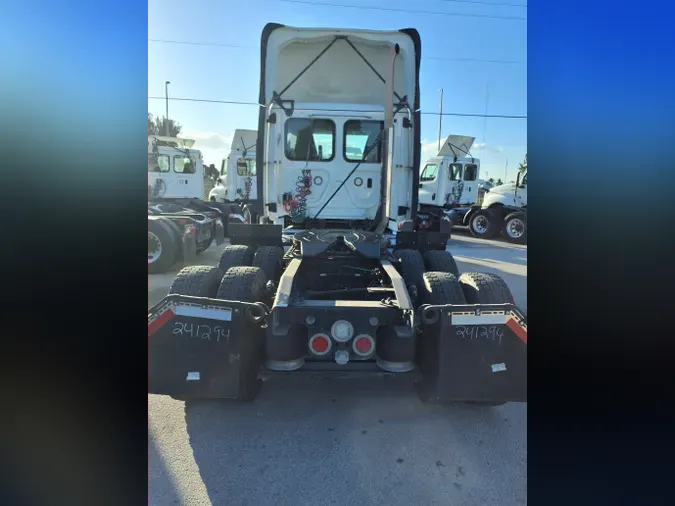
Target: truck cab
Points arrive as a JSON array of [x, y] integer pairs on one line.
[[175, 170], [451, 178], [238, 175]]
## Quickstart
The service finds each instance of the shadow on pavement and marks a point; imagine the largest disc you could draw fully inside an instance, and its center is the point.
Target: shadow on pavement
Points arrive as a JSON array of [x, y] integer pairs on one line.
[[309, 441], [161, 486]]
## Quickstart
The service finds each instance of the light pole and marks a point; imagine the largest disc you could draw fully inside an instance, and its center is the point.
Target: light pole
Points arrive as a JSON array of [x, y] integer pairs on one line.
[[505, 167], [166, 94], [440, 120]]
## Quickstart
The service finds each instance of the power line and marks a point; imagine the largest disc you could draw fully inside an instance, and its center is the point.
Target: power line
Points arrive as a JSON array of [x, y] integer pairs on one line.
[[436, 13], [192, 43], [483, 3], [505, 116]]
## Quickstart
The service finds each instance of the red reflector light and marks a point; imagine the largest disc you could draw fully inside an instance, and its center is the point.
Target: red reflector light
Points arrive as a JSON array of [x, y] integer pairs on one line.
[[320, 344], [364, 345]]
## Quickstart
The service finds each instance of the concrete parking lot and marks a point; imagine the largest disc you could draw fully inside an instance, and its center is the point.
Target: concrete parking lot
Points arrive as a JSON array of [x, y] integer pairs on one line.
[[315, 442]]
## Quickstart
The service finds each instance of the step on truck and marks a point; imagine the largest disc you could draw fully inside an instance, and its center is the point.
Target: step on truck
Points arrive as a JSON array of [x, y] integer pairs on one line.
[[362, 289]]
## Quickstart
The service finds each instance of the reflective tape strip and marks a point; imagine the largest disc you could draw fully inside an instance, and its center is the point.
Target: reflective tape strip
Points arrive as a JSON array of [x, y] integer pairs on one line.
[[200, 312], [488, 319], [159, 322], [517, 329]]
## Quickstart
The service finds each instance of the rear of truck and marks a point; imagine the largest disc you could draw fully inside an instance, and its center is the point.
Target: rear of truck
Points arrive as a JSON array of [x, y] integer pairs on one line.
[[364, 288]]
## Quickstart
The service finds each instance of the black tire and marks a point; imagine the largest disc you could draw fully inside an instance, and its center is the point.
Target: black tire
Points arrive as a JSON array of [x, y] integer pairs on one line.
[[246, 284], [163, 240], [269, 258], [484, 288], [440, 261], [484, 223], [440, 288], [236, 255], [412, 267], [243, 284], [514, 224], [197, 281]]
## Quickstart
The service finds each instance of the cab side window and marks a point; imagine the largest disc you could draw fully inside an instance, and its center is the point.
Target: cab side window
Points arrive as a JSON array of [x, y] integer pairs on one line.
[[429, 172]]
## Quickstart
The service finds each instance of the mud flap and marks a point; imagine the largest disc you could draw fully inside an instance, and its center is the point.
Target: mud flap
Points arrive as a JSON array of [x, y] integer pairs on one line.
[[204, 348], [473, 353], [219, 232], [189, 243]]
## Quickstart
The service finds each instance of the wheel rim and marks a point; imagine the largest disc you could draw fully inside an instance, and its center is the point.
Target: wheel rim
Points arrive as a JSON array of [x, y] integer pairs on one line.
[[154, 248], [480, 224], [515, 228]]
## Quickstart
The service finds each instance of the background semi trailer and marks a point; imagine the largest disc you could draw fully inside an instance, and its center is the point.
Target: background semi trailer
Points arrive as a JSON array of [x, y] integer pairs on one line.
[[342, 299]]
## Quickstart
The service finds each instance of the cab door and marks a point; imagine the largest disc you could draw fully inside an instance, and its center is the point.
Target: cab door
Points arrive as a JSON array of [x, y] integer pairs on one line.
[[318, 155], [428, 192]]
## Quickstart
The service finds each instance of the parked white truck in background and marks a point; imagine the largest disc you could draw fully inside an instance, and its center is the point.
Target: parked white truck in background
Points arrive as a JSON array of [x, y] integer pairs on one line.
[[503, 209], [238, 177]]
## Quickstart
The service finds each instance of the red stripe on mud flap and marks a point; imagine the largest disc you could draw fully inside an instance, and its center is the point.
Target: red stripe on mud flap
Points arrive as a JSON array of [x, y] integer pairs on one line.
[[513, 324], [159, 322]]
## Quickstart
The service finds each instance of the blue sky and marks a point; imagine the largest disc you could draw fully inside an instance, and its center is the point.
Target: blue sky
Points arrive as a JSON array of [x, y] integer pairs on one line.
[[224, 73]]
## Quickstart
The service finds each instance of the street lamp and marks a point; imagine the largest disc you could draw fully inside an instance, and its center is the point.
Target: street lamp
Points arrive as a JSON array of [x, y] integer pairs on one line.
[[166, 94]]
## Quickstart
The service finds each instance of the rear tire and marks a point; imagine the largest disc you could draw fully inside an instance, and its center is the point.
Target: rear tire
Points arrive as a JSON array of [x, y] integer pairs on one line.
[[412, 267], [440, 261], [235, 256], [162, 246], [197, 281], [484, 288], [268, 258], [484, 223], [243, 284], [440, 288], [247, 284], [515, 228]]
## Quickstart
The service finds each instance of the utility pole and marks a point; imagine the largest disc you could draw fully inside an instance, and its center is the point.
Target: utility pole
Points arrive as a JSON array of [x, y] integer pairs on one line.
[[440, 120], [166, 94], [506, 167]]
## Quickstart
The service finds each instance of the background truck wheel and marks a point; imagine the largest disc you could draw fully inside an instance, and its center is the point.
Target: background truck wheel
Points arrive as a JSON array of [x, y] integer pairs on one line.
[[197, 281], [484, 224], [484, 288], [235, 256], [515, 228], [162, 246], [412, 267], [440, 261], [246, 284], [268, 258]]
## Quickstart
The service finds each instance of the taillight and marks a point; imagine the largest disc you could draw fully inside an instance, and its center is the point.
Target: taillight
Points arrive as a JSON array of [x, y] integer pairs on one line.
[[320, 344], [363, 345]]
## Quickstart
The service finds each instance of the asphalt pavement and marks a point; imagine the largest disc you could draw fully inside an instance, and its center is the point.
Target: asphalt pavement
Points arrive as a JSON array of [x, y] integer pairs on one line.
[[342, 442]]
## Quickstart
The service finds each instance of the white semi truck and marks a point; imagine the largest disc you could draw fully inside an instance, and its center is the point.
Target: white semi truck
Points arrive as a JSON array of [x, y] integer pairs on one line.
[[238, 180], [338, 159]]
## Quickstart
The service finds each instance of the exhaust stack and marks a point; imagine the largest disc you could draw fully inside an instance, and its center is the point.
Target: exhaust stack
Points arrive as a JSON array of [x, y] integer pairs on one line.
[[385, 192]]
